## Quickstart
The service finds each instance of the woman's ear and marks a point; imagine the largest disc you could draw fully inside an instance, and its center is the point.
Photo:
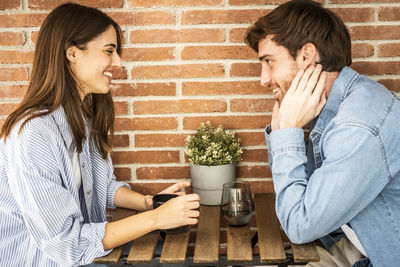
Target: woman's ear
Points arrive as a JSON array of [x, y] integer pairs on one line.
[[308, 55], [71, 54]]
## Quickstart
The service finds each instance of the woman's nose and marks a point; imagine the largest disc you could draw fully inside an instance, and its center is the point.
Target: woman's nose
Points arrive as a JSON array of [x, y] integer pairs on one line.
[[116, 61]]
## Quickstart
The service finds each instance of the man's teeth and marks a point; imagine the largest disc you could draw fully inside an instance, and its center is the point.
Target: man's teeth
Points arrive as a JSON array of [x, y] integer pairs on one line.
[[108, 74], [275, 90]]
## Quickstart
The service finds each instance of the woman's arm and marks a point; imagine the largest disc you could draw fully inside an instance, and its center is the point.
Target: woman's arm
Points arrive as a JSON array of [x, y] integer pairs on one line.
[[175, 212]]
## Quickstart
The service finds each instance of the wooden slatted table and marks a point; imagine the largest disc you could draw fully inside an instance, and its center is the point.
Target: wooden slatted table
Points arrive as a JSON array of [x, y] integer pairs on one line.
[[210, 247]]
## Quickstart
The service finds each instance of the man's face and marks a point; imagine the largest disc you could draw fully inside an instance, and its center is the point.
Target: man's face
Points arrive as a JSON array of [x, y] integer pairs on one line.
[[278, 67]]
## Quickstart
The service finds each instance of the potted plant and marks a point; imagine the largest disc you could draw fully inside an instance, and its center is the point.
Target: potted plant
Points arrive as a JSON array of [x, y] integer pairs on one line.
[[213, 153]]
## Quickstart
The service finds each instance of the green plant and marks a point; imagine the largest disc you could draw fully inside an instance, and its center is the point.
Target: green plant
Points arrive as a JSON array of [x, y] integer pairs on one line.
[[213, 146]]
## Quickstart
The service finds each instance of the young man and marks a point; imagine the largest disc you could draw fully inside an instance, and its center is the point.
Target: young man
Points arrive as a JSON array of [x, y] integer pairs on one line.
[[343, 184]]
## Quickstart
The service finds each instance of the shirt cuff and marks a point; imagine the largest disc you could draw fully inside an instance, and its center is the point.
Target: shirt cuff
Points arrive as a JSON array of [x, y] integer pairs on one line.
[[112, 188], [286, 140]]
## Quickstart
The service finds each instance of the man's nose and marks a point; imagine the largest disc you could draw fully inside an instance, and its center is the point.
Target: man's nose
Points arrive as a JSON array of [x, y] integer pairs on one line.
[[265, 78]]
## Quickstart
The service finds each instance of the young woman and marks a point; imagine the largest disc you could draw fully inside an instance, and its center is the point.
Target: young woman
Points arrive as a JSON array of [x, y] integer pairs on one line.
[[56, 175]]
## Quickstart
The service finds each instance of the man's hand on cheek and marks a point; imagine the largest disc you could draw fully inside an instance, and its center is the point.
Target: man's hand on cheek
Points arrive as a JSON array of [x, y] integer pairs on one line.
[[305, 98]]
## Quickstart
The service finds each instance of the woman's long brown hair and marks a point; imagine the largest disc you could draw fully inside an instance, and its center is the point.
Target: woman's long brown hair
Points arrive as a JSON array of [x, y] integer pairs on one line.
[[52, 81]]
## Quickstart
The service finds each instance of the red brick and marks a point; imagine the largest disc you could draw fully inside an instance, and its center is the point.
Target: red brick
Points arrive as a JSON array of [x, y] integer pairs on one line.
[[224, 88], [261, 2], [222, 16], [246, 69], [261, 186], [391, 84], [133, 157], [389, 13], [218, 52], [123, 174], [229, 122], [389, 32], [121, 140], [146, 124], [120, 74], [361, 1], [252, 138], [173, 3], [177, 36], [34, 36], [10, 4], [178, 71], [143, 89], [21, 20], [256, 171], [154, 173], [11, 39], [377, 67], [252, 105], [355, 14], [362, 50], [148, 54], [7, 108], [14, 57], [51, 4], [13, 74], [237, 35], [176, 106], [389, 50], [12, 91], [159, 140], [121, 107], [143, 18], [255, 155]]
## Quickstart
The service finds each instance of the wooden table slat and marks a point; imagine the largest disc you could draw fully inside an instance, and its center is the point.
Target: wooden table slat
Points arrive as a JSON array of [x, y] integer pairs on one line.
[[269, 237], [305, 253], [175, 246], [239, 244], [142, 249], [113, 257], [207, 239]]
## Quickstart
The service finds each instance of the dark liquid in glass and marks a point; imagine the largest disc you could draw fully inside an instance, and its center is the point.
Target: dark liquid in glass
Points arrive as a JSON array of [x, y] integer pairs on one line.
[[238, 214]]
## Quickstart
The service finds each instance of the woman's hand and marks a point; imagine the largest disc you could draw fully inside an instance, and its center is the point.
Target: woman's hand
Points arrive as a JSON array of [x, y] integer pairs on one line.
[[173, 189], [182, 210], [305, 98]]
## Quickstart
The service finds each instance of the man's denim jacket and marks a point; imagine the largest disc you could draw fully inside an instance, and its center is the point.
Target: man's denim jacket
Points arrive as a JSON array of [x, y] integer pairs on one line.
[[349, 173]]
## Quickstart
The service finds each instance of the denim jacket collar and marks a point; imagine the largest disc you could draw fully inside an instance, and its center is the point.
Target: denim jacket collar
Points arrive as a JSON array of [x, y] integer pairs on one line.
[[339, 91]]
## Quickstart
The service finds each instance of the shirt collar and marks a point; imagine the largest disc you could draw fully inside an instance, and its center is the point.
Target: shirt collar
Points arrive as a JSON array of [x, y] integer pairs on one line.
[[338, 93]]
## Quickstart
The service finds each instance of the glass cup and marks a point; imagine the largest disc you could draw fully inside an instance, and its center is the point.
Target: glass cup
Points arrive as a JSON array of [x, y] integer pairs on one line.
[[237, 204]]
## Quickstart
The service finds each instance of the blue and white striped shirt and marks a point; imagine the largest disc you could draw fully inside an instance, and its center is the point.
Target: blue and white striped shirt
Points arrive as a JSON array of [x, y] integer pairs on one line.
[[44, 219]]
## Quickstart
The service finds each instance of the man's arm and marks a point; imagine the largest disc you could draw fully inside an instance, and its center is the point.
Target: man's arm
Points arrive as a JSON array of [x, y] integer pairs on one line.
[[337, 191]]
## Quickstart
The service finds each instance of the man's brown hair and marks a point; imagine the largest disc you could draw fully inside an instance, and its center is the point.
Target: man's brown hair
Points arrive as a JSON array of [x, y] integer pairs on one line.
[[53, 83], [298, 22]]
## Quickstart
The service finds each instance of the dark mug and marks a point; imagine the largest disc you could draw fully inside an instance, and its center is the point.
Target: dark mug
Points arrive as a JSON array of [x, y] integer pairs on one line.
[[160, 199]]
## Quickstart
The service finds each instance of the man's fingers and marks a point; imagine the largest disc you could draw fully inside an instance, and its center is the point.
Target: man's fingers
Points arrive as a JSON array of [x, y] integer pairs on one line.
[[313, 80], [302, 86], [294, 85]]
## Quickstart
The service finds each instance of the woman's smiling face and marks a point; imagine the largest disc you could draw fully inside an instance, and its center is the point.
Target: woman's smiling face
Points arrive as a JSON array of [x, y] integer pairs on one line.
[[94, 64]]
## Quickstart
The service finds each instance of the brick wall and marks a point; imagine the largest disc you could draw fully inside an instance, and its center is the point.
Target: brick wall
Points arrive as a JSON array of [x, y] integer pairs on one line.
[[185, 62]]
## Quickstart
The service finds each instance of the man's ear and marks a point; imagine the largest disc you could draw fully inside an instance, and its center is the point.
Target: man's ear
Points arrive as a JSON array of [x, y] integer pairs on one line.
[[308, 55], [71, 53]]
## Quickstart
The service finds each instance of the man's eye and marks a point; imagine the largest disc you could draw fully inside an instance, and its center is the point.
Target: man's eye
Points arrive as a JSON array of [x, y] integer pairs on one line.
[[267, 61], [110, 51]]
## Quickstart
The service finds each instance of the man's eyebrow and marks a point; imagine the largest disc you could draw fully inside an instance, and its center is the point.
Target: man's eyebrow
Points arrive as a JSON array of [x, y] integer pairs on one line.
[[263, 56]]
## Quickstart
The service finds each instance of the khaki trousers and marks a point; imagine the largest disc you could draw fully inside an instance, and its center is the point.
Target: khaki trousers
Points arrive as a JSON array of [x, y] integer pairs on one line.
[[340, 254]]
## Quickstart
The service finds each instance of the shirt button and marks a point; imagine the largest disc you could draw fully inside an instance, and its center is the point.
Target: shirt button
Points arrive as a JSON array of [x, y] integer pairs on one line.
[[83, 165], [89, 192]]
